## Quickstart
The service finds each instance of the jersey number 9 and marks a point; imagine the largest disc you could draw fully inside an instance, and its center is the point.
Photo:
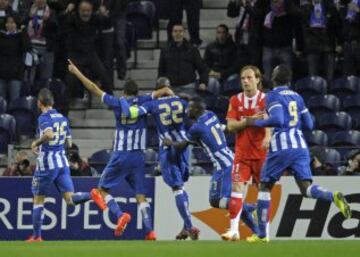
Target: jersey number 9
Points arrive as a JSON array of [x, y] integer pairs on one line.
[[171, 113], [293, 111]]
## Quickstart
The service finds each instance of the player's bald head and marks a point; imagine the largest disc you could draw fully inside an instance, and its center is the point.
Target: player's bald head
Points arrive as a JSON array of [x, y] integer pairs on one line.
[[281, 75], [162, 82]]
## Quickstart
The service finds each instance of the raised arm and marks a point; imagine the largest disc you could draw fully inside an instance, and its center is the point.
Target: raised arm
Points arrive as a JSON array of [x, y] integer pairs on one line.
[[88, 84]]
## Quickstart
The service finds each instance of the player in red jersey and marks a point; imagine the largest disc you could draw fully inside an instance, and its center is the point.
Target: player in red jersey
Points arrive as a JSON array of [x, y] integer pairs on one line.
[[251, 143]]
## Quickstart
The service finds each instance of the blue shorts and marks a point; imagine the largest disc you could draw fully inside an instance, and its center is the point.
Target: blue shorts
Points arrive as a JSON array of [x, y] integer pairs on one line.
[[295, 160], [220, 184], [43, 179], [174, 166], [125, 165]]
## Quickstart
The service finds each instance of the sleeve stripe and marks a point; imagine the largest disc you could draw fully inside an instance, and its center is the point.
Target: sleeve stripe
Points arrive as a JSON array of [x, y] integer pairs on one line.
[[274, 106], [102, 97], [305, 110], [143, 109]]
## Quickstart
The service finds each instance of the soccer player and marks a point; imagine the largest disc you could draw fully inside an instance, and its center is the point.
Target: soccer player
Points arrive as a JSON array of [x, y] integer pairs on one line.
[[51, 164], [250, 147], [288, 115], [207, 132], [169, 115], [127, 160]]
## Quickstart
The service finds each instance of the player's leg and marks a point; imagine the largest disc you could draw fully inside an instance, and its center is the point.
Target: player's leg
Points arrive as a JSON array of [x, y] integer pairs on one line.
[[303, 176], [40, 186], [112, 176], [220, 188], [136, 180]]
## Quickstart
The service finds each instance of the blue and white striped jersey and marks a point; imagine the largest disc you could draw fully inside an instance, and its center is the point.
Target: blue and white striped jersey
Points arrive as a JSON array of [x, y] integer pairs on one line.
[[130, 134], [291, 104], [52, 154], [207, 132], [169, 115]]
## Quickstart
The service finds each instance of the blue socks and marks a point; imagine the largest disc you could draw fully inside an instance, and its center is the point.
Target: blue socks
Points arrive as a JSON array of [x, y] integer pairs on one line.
[[37, 219], [113, 206], [317, 192], [80, 197], [182, 203], [248, 219], [263, 205], [146, 216]]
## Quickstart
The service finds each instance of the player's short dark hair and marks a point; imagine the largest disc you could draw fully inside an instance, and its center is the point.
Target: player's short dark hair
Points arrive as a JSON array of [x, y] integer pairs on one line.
[[162, 82], [225, 27], [177, 24], [131, 88], [45, 97], [198, 103], [283, 75]]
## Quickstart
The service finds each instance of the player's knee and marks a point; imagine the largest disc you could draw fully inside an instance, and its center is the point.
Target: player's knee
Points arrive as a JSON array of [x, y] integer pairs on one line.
[[214, 202], [176, 188]]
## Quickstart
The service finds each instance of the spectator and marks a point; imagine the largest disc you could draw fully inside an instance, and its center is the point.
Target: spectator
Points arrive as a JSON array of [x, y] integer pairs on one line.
[[322, 32], [42, 30], [5, 10], [353, 167], [22, 7], [105, 38], [13, 45], [247, 38], [79, 167], [179, 61], [319, 165], [351, 31], [81, 30], [278, 23], [219, 56], [192, 8], [120, 8], [21, 166]]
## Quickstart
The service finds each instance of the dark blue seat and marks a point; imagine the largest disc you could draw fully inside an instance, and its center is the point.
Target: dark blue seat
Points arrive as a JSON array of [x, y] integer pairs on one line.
[[316, 138], [331, 156], [310, 86], [99, 159], [3, 105], [25, 111], [142, 15], [7, 132], [345, 86], [351, 105], [323, 104], [334, 122], [346, 138], [200, 155], [231, 86]]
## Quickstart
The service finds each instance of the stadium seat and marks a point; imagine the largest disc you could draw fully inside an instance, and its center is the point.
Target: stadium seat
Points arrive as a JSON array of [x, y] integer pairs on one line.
[[25, 111], [331, 156], [142, 14], [210, 101], [310, 86], [351, 105], [345, 86], [231, 86], [197, 171], [7, 132], [207, 166], [3, 105], [323, 104], [316, 138], [99, 159], [334, 122], [346, 138]]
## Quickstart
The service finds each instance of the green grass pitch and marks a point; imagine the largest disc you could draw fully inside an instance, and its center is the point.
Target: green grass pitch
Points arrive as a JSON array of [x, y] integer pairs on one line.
[[314, 248]]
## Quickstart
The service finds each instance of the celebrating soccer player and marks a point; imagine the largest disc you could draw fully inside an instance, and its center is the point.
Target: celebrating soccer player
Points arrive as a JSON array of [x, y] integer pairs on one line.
[[288, 115]]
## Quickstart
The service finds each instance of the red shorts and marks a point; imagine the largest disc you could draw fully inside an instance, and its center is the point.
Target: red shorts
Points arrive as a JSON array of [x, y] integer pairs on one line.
[[244, 170]]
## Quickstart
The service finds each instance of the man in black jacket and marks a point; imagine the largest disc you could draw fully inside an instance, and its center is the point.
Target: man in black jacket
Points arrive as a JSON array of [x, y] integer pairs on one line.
[[179, 61], [81, 28], [220, 56]]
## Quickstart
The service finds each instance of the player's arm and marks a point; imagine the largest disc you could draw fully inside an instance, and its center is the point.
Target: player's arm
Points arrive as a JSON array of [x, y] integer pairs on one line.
[[45, 137], [235, 125], [275, 115], [178, 145], [165, 91], [307, 122], [88, 84]]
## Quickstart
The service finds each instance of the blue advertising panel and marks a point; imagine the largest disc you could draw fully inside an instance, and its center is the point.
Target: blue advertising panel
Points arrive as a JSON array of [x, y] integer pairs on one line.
[[62, 222]]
